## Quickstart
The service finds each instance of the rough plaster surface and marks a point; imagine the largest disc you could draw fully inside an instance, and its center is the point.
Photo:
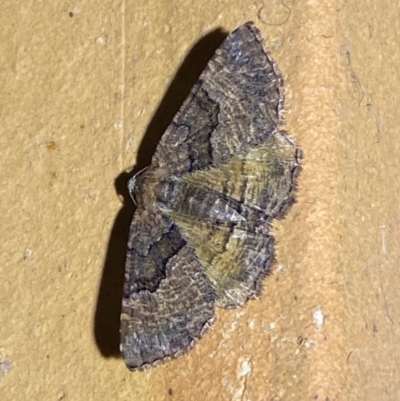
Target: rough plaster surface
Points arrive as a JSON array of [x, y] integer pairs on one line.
[[87, 88]]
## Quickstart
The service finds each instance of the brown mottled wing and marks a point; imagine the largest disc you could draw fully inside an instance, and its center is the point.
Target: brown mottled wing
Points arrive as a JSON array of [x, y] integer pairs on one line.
[[235, 105], [225, 142], [201, 234], [224, 213], [168, 300], [263, 179]]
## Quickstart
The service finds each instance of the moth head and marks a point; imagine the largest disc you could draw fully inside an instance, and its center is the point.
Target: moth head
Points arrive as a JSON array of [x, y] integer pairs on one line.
[[149, 186], [133, 184]]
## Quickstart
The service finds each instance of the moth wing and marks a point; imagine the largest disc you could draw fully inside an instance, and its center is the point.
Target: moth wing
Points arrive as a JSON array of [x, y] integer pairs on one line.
[[178, 269], [168, 300], [236, 248], [235, 105], [263, 179], [234, 260]]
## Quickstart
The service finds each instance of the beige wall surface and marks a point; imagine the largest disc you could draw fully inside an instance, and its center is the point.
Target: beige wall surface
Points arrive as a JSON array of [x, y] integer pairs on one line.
[[87, 88]]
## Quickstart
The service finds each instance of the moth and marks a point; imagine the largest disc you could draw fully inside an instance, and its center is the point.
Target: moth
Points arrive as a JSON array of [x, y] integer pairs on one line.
[[201, 234]]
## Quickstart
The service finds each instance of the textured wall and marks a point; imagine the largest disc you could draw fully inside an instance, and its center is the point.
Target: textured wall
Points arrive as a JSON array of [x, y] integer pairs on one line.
[[87, 88]]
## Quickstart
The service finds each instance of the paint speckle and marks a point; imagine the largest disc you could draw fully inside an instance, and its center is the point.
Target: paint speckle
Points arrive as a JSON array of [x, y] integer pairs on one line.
[[271, 326], [5, 366], [252, 324], [118, 124], [245, 368], [100, 41], [27, 253], [318, 317]]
